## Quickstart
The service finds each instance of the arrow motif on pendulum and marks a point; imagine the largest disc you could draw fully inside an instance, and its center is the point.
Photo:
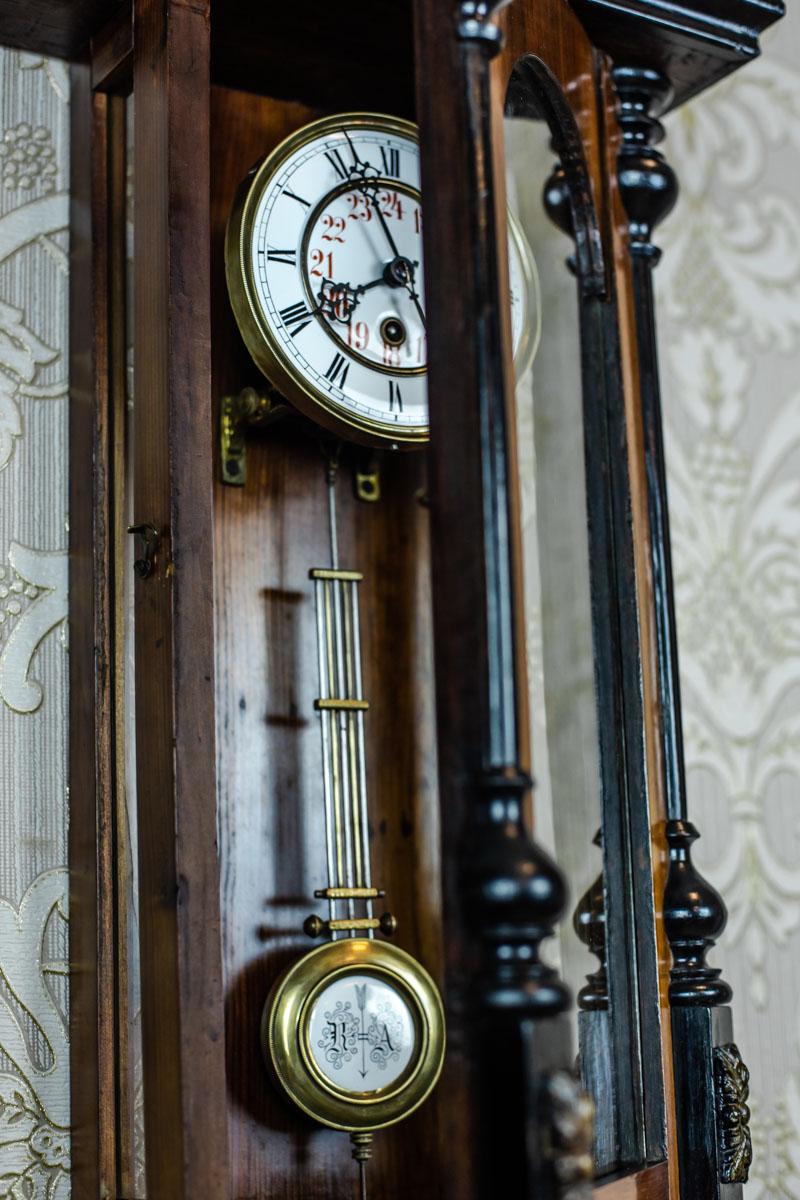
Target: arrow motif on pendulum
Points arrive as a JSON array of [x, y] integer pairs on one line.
[[341, 709], [361, 999]]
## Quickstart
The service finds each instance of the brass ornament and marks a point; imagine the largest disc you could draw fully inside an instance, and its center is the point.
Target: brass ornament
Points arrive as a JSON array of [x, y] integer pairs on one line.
[[731, 1092], [248, 409], [571, 1112]]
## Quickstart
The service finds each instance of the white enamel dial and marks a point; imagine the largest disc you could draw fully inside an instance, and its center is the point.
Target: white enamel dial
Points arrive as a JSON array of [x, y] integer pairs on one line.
[[330, 251], [343, 213], [361, 1033]]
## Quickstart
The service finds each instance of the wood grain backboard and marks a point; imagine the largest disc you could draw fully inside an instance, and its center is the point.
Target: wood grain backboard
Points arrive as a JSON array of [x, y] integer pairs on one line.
[[268, 534]]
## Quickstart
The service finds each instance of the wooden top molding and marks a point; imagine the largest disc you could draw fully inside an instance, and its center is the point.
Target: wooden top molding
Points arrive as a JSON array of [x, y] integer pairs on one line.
[[254, 46], [693, 44], [59, 27]]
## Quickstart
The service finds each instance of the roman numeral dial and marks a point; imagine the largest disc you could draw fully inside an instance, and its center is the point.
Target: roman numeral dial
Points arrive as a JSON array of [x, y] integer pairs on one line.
[[325, 272]]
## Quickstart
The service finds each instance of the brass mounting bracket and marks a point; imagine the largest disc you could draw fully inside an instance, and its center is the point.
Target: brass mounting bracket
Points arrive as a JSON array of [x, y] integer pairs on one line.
[[367, 477], [249, 409]]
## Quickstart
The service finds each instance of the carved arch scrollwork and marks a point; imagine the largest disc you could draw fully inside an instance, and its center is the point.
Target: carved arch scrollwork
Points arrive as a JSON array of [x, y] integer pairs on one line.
[[534, 92]]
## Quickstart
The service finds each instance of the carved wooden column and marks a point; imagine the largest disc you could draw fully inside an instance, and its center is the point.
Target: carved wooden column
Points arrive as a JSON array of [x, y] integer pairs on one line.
[[503, 895], [595, 1032], [710, 1078]]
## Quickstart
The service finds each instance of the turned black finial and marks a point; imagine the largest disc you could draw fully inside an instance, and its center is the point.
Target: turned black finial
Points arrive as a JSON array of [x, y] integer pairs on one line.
[[694, 917], [647, 183], [557, 201], [516, 895], [589, 923], [477, 22]]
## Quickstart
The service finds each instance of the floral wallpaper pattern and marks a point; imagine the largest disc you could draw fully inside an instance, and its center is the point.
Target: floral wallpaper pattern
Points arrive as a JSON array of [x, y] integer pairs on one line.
[[729, 321], [34, 1048]]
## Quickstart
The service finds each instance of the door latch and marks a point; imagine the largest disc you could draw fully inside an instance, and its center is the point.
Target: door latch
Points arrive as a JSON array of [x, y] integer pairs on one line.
[[151, 540]]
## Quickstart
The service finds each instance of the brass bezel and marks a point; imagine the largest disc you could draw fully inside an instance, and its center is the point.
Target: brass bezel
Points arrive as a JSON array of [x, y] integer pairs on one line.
[[264, 347], [284, 1034]]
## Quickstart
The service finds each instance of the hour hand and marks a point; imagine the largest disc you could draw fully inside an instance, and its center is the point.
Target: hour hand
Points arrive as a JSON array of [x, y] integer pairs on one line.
[[337, 300]]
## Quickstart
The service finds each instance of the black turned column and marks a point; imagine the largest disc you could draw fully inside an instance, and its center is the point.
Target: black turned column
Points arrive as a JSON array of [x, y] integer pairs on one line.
[[619, 1021], [595, 1033], [508, 1028], [710, 1079]]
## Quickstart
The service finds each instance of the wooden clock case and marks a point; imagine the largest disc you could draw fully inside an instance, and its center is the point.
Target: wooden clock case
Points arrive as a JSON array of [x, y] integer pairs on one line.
[[229, 837]]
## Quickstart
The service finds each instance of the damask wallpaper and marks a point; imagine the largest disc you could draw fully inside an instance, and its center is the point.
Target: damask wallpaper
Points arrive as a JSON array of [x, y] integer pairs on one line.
[[729, 311], [729, 306], [34, 1062]]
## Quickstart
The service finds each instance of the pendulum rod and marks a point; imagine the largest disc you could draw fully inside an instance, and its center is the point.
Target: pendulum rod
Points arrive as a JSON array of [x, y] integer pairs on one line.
[[341, 707], [337, 657]]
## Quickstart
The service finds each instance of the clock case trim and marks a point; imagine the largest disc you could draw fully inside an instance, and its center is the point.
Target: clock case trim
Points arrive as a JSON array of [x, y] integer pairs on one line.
[[693, 44], [260, 340]]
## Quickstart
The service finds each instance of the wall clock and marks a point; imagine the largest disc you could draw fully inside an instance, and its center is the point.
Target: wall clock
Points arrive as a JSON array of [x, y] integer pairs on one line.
[[323, 258]]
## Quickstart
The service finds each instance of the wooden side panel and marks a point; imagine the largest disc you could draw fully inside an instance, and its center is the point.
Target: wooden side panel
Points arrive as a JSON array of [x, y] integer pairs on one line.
[[182, 1008], [91, 750], [268, 534]]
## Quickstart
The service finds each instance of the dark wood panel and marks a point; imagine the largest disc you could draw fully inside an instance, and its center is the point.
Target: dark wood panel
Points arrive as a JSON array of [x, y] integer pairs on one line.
[[59, 27], [268, 535], [182, 1004], [347, 57], [346, 51], [112, 53]]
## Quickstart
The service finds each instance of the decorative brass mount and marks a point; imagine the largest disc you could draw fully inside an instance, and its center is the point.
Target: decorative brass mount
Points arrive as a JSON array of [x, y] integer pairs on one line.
[[249, 409], [731, 1092], [368, 483]]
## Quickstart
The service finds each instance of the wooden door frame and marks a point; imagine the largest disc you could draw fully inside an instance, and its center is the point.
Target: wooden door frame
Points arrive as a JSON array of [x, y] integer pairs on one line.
[[182, 1000]]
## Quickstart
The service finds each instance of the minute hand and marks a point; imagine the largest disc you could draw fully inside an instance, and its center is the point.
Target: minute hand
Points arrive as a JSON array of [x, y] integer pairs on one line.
[[372, 195]]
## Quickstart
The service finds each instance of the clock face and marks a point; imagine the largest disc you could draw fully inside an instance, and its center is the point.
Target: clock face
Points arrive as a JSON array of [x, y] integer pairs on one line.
[[324, 262]]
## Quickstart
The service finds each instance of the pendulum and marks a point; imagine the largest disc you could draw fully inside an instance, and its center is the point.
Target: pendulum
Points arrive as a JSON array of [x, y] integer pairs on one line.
[[354, 1030]]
